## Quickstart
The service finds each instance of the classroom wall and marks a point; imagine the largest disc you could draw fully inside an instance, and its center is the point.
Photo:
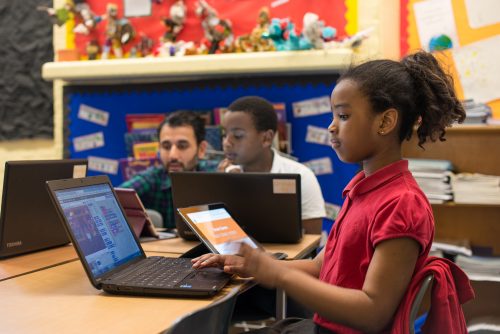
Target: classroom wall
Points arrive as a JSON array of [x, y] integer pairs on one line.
[[37, 149], [383, 15]]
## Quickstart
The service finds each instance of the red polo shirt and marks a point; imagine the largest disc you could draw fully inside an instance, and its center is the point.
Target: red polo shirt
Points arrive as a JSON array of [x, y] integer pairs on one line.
[[385, 205]]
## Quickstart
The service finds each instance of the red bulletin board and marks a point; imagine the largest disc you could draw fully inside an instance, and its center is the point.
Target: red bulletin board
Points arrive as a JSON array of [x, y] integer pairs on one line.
[[242, 13]]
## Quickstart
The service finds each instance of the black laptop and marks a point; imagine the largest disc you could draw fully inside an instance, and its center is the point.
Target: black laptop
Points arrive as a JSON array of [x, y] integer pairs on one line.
[[266, 205], [28, 220], [110, 251]]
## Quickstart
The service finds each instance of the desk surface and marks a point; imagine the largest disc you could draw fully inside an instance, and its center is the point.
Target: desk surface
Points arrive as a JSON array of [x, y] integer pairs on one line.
[[295, 251], [24, 264], [28, 263], [61, 299]]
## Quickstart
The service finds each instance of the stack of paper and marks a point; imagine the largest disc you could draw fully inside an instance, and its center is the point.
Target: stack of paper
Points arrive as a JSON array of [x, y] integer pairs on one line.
[[484, 325], [476, 188], [452, 247], [480, 268], [476, 113], [433, 177]]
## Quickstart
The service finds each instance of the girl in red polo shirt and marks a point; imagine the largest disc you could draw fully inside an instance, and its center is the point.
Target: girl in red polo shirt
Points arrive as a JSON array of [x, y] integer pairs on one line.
[[384, 230]]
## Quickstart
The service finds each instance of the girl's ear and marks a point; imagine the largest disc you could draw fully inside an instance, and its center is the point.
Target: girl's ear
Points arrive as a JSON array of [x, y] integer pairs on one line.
[[388, 121]]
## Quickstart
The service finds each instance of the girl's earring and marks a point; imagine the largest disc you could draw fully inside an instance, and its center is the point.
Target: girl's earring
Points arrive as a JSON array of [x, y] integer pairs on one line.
[[381, 132]]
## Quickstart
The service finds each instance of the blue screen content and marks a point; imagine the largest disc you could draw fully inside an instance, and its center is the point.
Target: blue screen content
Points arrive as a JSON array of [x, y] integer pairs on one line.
[[99, 227]]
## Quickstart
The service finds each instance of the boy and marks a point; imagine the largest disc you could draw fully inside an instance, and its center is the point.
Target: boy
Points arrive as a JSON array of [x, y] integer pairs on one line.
[[249, 127]]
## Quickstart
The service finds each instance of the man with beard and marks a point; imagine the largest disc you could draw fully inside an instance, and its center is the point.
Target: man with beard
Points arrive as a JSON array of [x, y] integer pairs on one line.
[[182, 146]]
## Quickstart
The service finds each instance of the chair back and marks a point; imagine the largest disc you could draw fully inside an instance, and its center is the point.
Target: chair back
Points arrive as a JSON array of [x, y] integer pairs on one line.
[[155, 217], [417, 302], [212, 319]]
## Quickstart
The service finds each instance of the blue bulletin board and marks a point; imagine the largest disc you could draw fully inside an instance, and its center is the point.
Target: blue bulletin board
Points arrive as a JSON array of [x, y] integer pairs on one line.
[[119, 100]]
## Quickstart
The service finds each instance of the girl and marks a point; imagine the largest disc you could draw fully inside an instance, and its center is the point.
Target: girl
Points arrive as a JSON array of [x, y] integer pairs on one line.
[[384, 231]]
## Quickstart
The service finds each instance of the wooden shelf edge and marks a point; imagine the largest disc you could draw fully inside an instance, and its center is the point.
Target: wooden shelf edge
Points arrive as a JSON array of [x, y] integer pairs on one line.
[[474, 128], [466, 205], [175, 68], [469, 128]]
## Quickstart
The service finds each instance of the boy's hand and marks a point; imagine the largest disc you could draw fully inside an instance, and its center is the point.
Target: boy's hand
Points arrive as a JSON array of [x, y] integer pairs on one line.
[[227, 165]]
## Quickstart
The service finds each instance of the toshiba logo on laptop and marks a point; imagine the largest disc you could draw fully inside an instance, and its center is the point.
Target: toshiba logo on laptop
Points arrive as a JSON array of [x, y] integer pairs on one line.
[[14, 244]]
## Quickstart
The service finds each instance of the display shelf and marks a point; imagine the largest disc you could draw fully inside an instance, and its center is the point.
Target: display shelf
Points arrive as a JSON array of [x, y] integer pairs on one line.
[[196, 67], [475, 128], [471, 148]]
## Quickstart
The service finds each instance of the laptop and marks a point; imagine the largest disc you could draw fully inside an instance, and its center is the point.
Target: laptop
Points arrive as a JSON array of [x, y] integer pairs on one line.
[[217, 228], [28, 220], [267, 206], [110, 252]]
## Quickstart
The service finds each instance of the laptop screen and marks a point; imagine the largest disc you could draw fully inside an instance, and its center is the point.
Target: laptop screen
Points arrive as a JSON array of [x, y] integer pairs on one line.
[[28, 220], [277, 197], [98, 226]]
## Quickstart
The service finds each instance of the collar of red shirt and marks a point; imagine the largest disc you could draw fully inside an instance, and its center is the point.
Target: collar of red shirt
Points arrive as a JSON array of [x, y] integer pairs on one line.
[[361, 184]]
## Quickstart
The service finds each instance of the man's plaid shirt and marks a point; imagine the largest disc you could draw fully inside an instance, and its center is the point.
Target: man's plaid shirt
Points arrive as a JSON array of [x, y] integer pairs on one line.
[[154, 187]]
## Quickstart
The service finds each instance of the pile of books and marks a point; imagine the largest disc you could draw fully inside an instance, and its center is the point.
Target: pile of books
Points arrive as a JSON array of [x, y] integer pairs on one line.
[[130, 166], [476, 113], [282, 140], [141, 143], [433, 177], [476, 188]]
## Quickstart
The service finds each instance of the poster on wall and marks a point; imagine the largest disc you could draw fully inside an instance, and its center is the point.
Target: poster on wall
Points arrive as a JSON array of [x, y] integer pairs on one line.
[[480, 14], [434, 18], [478, 69]]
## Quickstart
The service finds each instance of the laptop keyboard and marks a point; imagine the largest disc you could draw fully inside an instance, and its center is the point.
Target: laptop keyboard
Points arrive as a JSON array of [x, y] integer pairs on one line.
[[161, 272]]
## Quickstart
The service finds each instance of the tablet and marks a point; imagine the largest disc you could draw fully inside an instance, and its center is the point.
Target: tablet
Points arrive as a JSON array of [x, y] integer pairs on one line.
[[138, 217], [216, 228]]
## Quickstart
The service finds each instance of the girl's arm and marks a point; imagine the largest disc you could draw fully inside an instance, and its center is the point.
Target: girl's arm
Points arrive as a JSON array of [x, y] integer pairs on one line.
[[369, 309]]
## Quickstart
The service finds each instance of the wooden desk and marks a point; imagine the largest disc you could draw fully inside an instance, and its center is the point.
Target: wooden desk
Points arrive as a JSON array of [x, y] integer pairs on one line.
[[24, 264], [174, 245], [61, 300], [307, 245], [295, 251]]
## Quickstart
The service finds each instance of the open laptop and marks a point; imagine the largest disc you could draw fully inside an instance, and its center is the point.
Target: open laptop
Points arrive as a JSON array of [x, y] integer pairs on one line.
[[267, 206], [110, 251], [28, 220]]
